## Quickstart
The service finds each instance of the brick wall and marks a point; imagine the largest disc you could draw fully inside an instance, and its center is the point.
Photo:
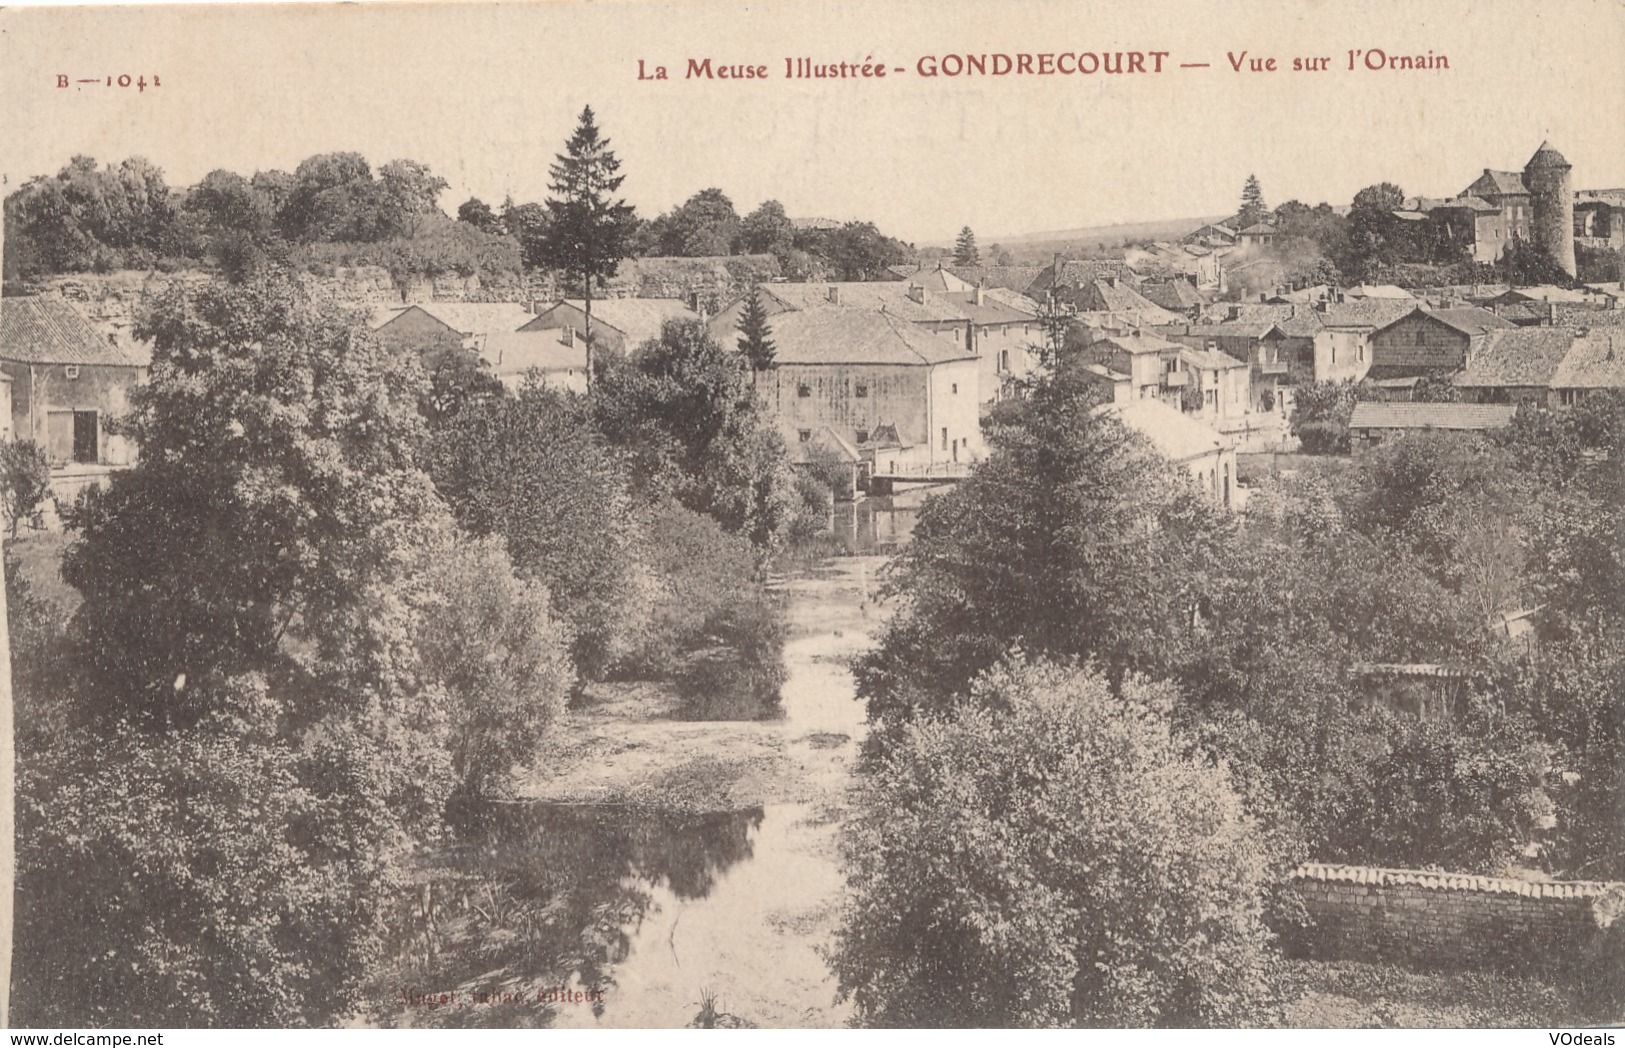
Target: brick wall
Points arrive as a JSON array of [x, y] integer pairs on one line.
[[1443, 920]]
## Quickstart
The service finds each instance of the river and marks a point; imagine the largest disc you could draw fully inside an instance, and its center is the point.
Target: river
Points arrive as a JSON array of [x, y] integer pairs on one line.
[[643, 915]]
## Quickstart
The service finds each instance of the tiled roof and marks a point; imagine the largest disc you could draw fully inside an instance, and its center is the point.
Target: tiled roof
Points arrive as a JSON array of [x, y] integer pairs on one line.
[[1471, 320], [1596, 361], [473, 318], [1544, 293], [1104, 296], [1078, 272], [1210, 358], [515, 352], [858, 336], [1373, 415], [637, 318], [1380, 291], [49, 330], [1176, 295], [1367, 312], [1171, 431], [1259, 229], [1499, 182], [1137, 344], [1015, 278], [1519, 356], [890, 296]]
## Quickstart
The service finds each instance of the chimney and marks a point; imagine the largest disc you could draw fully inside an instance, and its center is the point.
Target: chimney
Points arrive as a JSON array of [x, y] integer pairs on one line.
[[569, 336], [1551, 314], [1323, 306], [981, 295], [533, 306], [970, 336], [834, 295], [917, 293]]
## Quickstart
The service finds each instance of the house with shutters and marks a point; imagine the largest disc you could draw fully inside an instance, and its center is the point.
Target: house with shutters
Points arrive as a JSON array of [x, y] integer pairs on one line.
[[67, 381]]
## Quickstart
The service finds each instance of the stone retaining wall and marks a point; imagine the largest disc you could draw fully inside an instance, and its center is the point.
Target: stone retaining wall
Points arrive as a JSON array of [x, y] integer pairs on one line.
[[1444, 920]]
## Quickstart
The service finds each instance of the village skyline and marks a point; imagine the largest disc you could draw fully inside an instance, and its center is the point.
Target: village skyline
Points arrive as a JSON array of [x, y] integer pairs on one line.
[[915, 155]]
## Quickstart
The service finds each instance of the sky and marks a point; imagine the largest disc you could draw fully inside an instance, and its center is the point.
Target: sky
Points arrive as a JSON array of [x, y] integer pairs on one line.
[[486, 94]]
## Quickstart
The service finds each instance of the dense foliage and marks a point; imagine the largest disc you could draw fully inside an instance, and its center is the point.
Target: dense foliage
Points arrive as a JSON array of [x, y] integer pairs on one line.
[[1052, 855]]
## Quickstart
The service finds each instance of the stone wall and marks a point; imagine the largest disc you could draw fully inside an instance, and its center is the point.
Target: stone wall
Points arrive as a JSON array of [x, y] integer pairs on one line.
[[1443, 920]]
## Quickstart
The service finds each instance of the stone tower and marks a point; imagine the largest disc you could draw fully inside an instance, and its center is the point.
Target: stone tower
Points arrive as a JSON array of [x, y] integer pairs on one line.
[[1551, 198]]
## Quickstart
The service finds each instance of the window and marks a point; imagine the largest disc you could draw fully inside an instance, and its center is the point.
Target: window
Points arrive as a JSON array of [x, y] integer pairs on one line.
[[72, 370], [803, 390], [954, 389], [944, 438], [1359, 351], [1211, 397], [1421, 337], [804, 434], [863, 436], [1568, 397], [1004, 360], [860, 389]]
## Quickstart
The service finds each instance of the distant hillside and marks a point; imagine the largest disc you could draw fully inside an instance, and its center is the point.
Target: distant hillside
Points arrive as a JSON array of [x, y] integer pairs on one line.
[[1038, 247]]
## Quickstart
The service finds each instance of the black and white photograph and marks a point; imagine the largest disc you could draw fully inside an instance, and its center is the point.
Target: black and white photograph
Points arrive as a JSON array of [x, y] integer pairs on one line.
[[634, 515]]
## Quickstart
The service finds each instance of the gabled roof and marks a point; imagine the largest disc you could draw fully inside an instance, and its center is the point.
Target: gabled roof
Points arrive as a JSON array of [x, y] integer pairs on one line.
[[1372, 415], [470, 318], [1379, 291], [1080, 271], [1106, 297], [1365, 313], [1172, 432], [1210, 358], [1259, 229], [1015, 278], [1175, 295], [1500, 183], [1543, 293], [1519, 356], [1469, 320], [1137, 344], [637, 318], [515, 352], [43, 329], [858, 336], [1596, 361]]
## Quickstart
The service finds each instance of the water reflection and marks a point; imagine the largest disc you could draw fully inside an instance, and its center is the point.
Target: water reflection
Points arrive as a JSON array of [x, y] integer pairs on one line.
[[537, 897], [879, 523]]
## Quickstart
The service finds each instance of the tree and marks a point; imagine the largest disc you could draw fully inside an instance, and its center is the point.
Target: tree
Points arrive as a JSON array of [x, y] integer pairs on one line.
[[767, 231], [493, 639], [590, 228], [25, 481], [1253, 209], [965, 253], [755, 343], [531, 469], [705, 224], [477, 213], [684, 410], [1053, 855], [254, 591], [1074, 538], [1376, 239], [410, 192]]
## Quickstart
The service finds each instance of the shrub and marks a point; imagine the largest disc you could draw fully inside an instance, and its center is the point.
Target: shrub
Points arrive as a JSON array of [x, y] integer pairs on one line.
[[25, 481], [1051, 855]]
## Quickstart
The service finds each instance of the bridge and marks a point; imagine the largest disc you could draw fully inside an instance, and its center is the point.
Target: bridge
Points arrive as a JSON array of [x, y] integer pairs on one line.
[[881, 481]]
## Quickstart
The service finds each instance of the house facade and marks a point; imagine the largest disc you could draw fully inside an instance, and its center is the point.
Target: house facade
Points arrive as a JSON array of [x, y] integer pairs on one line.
[[67, 381], [1430, 341], [516, 357], [1197, 448], [904, 397]]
